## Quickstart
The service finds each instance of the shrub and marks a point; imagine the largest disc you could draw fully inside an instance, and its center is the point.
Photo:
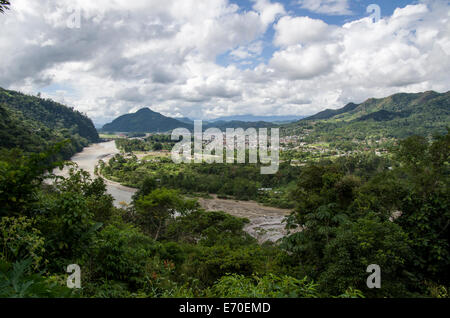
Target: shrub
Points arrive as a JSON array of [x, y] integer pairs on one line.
[[268, 286]]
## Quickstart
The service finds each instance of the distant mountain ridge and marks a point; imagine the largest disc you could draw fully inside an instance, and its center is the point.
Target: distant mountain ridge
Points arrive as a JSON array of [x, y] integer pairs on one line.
[[328, 113], [185, 120], [144, 120], [253, 118], [148, 121], [400, 105], [399, 115]]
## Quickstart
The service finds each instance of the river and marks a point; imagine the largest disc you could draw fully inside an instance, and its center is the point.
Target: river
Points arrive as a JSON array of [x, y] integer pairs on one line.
[[88, 159]]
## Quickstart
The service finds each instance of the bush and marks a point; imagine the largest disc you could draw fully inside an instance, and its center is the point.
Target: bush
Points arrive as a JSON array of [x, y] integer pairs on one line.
[[18, 281], [19, 240], [268, 286], [359, 244], [121, 253]]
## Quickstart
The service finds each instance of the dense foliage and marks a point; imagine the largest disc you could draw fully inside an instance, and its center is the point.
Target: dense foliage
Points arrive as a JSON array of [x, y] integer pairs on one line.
[[163, 246], [33, 124], [244, 182], [397, 218], [154, 142], [353, 212], [397, 116]]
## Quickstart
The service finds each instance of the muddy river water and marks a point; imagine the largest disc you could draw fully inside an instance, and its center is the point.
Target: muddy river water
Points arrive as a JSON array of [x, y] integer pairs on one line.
[[88, 159]]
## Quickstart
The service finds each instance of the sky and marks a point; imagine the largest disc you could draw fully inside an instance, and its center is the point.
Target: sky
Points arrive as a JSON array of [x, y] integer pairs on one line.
[[205, 59]]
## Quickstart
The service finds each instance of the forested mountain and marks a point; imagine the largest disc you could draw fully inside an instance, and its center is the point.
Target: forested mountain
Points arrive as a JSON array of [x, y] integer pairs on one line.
[[397, 116], [328, 113], [32, 123], [185, 120], [146, 120]]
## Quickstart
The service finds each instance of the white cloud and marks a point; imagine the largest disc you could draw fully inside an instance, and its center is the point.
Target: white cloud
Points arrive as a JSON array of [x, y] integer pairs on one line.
[[268, 10], [297, 62], [244, 52], [331, 7], [128, 55], [297, 30]]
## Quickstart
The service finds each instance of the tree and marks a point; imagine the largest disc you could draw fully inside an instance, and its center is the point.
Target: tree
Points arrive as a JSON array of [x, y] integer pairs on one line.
[[19, 240], [209, 228], [147, 186], [121, 252], [20, 178], [18, 281], [158, 207], [270, 286], [359, 244], [98, 201], [398, 219], [157, 146], [425, 208]]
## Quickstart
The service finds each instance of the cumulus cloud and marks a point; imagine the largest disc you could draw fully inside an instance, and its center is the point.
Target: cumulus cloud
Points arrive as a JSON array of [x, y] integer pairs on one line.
[[268, 10], [331, 7], [243, 52], [296, 30], [163, 55], [298, 62], [407, 51]]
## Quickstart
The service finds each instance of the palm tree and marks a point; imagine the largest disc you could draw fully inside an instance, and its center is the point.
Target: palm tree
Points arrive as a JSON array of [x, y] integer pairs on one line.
[[4, 5]]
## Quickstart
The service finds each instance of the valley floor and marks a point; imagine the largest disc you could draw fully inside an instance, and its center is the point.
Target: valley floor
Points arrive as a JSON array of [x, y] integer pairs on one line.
[[266, 223]]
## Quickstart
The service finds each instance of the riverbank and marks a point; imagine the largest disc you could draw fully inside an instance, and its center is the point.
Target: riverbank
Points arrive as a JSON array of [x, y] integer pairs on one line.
[[266, 223]]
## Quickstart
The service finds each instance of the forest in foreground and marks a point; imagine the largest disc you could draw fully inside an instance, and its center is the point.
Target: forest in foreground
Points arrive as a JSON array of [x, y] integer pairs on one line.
[[353, 212]]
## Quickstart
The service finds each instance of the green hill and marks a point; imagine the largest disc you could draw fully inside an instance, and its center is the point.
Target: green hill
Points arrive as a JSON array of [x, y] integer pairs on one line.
[[397, 116], [32, 123], [328, 113], [144, 120]]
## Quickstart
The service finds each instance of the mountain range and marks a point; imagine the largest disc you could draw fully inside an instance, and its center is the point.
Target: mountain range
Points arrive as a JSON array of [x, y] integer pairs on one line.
[[398, 116], [252, 118], [148, 121], [248, 119], [32, 123]]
